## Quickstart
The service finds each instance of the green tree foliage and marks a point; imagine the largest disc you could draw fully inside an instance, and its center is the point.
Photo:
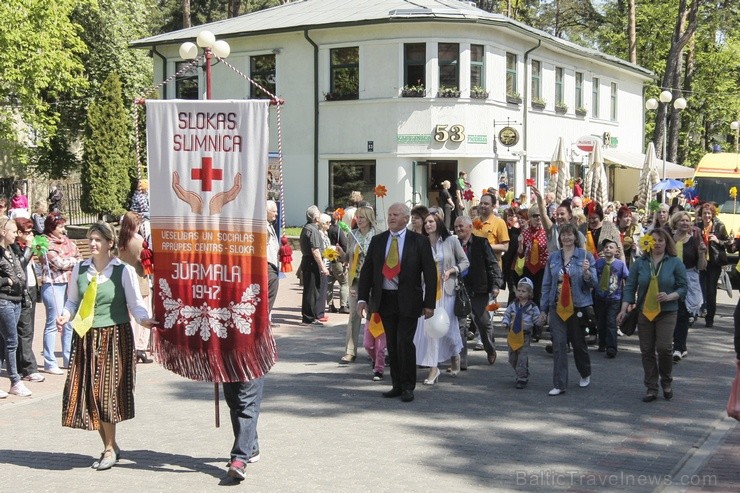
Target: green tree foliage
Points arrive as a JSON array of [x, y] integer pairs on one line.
[[40, 50], [108, 157], [204, 11]]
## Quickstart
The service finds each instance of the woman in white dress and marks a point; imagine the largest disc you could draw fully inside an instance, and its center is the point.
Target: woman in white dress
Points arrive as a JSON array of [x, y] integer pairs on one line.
[[451, 260]]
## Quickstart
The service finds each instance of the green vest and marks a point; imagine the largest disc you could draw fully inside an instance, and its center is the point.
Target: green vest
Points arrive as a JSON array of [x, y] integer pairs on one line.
[[110, 302]]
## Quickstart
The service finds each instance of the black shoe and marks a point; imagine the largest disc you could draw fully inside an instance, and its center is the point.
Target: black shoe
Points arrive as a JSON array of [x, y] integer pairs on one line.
[[142, 357], [649, 398], [407, 396], [520, 384], [708, 322], [611, 353], [393, 393], [332, 309], [668, 394], [601, 349], [548, 349], [343, 310]]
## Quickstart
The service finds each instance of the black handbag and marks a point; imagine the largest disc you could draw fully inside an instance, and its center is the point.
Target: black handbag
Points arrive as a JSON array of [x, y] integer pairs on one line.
[[463, 306], [629, 324]]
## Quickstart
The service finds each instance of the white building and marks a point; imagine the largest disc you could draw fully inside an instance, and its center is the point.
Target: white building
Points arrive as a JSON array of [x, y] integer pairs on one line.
[[345, 69]]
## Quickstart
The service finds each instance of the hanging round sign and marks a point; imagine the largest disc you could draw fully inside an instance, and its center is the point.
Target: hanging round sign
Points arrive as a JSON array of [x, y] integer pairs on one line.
[[508, 137]]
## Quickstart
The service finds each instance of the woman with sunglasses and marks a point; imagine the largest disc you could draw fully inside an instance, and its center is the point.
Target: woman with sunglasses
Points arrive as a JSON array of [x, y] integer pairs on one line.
[[56, 269]]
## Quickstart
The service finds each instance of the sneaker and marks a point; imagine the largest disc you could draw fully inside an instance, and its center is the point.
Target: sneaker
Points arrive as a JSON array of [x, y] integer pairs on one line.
[[323, 319], [585, 382], [54, 371], [238, 470], [34, 377], [556, 392], [3, 394], [20, 390], [377, 376], [684, 354], [676, 356], [254, 458], [479, 346], [620, 333]]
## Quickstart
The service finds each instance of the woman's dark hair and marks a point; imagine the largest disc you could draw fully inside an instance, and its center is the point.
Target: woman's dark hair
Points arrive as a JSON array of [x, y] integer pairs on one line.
[[670, 245], [129, 227], [420, 211], [53, 221], [565, 204], [24, 224], [568, 228], [442, 230]]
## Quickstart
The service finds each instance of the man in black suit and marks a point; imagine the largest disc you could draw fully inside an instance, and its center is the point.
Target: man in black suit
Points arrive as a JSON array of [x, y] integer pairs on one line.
[[482, 279], [391, 285]]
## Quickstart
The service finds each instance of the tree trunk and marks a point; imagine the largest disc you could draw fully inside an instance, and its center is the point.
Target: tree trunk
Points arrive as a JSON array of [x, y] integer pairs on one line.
[[234, 6], [632, 31], [686, 22], [186, 13]]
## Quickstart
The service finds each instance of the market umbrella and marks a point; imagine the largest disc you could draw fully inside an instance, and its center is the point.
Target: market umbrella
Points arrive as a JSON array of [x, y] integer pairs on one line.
[[648, 178], [562, 188], [669, 184], [599, 190]]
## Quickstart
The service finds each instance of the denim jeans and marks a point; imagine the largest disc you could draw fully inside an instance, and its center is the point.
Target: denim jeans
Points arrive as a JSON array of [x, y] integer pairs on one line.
[[53, 297], [243, 399], [10, 312], [606, 319]]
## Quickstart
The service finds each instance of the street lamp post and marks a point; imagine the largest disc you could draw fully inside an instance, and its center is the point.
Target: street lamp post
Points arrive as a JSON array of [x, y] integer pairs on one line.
[[211, 48], [736, 127], [652, 104]]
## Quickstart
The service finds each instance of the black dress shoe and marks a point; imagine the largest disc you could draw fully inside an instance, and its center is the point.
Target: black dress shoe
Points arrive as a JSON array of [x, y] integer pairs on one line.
[[407, 396], [393, 393], [649, 398], [668, 394]]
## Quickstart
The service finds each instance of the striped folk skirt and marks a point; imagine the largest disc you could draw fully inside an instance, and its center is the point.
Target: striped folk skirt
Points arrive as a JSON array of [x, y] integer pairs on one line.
[[101, 378]]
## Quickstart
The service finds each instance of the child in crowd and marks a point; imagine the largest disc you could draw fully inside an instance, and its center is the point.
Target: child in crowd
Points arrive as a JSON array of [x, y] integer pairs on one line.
[[375, 344], [518, 321], [611, 274], [285, 255]]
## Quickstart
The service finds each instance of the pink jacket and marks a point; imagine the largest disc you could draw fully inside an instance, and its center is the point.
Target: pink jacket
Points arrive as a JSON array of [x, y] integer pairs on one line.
[[61, 257]]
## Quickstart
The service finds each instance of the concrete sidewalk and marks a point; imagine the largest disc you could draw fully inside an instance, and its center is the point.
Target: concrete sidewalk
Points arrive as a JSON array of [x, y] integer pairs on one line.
[[324, 426]]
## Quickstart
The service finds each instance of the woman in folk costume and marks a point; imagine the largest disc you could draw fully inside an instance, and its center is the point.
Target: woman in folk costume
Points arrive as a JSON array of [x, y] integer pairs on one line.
[[692, 251], [131, 245], [717, 241], [451, 261], [596, 230], [629, 233], [566, 296], [99, 390], [533, 248], [357, 243], [656, 283]]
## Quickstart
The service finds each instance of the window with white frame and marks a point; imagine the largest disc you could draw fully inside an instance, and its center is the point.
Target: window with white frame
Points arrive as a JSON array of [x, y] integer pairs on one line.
[[344, 73], [511, 74], [595, 93], [414, 64], [477, 66], [448, 57], [559, 87], [536, 80], [186, 84], [579, 90], [262, 71], [613, 107]]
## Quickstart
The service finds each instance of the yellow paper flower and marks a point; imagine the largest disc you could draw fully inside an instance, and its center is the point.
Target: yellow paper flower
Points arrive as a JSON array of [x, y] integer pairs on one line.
[[646, 243], [330, 254], [381, 191], [733, 192], [688, 183]]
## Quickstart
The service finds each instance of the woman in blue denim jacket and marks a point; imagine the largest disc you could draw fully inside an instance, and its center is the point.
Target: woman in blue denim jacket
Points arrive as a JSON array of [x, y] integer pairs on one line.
[[581, 269]]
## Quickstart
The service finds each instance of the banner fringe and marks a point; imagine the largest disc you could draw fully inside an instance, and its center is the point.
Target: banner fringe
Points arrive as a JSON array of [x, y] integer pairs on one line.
[[236, 365]]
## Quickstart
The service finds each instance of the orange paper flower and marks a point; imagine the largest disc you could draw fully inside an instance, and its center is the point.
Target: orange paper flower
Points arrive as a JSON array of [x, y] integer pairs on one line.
[[493, 307], [339, 214], [586, 201], [553, 170], [477, 224], [381, 191], [485, 191]]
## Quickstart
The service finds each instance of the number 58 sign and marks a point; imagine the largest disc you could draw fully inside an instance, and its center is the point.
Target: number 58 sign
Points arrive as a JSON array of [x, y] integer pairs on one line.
[[453, 133]]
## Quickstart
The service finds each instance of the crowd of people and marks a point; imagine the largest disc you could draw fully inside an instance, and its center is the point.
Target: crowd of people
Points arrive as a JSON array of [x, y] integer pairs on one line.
[[577, 269]]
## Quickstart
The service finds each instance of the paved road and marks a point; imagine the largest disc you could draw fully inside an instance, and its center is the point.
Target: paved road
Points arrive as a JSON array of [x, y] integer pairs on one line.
[[325, 428]]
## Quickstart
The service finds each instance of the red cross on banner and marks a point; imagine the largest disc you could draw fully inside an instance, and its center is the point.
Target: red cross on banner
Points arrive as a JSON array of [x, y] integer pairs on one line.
[[207, 174]]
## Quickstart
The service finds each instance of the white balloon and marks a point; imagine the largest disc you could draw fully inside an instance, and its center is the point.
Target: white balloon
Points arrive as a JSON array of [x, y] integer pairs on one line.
[[438, 324], [221, 48], [206, 39], [188, 51]]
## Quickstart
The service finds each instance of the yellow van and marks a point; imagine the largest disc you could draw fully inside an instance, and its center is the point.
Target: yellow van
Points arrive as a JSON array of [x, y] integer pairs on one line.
[[715, 174]]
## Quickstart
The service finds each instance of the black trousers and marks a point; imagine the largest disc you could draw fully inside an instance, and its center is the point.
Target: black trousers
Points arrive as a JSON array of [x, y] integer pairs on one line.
[[399, 335], [272, 285], [24, 356], [311, 284], [709, 279]]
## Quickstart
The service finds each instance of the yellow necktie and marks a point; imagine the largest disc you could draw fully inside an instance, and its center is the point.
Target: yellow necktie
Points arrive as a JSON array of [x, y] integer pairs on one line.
[[564, 307], [651, 306], [375, 326], [86, 312], [392, 267], [679, 249], [590, 244], [534, 252], [355, 262]]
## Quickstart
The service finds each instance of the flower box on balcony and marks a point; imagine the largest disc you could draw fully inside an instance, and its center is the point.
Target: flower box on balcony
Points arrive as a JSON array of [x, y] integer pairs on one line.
[[581, 111], [513, 98]]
